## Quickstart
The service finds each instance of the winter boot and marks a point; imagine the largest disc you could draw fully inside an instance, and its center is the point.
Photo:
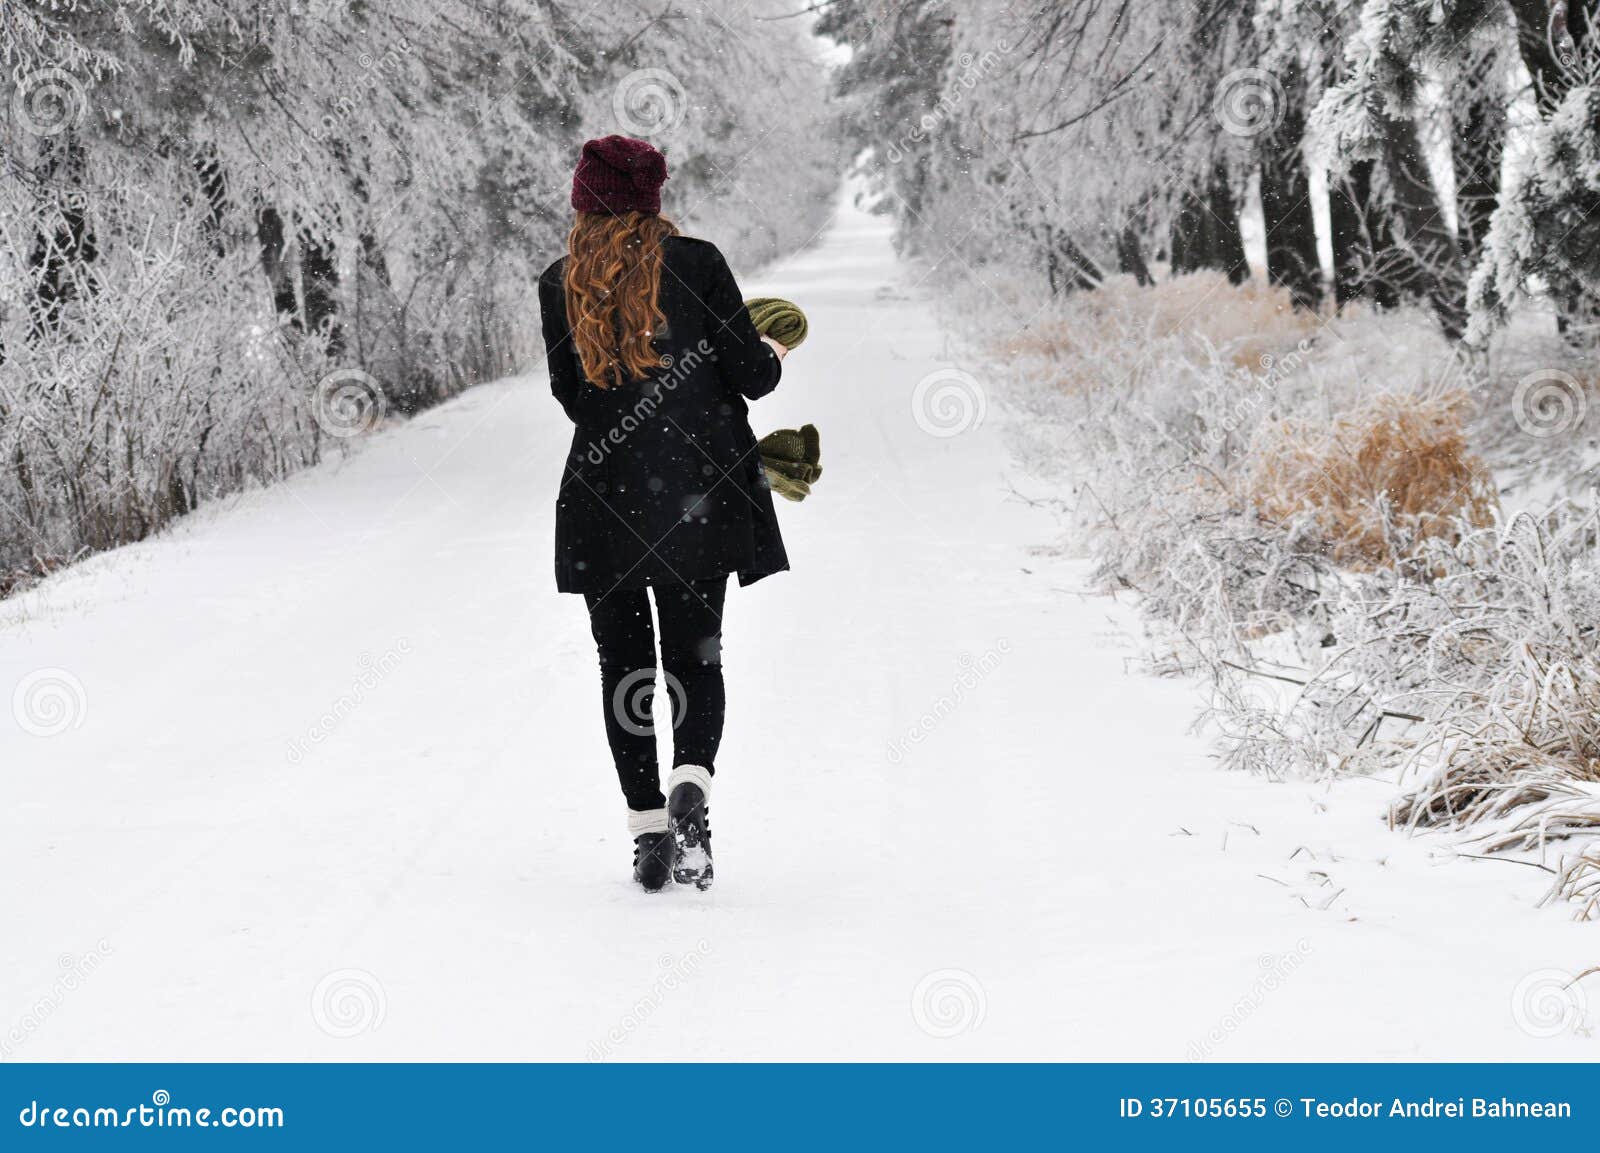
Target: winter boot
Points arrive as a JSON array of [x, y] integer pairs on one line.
[[652, 848], [688, 801]]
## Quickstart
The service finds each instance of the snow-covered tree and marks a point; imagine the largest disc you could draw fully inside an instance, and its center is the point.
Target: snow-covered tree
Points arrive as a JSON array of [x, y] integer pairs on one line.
[[1537, 230], [233, 232], [1545, 230]]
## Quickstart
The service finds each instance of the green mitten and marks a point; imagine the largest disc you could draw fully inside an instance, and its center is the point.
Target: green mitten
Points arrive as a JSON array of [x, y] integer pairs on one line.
[[780, 319], [792, 459]]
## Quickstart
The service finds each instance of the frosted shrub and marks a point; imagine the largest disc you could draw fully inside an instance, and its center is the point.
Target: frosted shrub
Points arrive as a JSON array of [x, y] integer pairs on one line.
[[1308, 528], [1165, 388], [158, 380], [1375, 480], [1473, 670], [211, 210], [1505, 659]]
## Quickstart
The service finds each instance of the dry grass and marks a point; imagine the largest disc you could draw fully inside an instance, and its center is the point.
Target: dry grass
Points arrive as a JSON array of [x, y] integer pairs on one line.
[[1378, 479], [1530, 775], [1432, 635], [1513, 751], [1088, 340], [1579, 882], [1246, 321]]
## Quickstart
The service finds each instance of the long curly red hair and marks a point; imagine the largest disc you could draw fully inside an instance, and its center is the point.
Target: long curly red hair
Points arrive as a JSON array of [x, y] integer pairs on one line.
[[613, 283]]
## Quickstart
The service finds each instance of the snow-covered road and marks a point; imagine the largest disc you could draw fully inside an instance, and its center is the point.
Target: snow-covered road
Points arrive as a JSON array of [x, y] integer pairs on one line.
[[336, 783]]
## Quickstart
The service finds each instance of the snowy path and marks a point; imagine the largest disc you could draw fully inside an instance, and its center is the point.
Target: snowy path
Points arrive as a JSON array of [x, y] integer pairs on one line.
[[455, 839]]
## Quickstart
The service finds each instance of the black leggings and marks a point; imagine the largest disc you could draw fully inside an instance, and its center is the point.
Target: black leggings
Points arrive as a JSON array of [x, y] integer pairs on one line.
[[691, 651]]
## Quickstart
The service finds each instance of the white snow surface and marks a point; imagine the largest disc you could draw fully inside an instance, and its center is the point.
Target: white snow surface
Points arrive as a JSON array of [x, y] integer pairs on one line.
[[337, 786]]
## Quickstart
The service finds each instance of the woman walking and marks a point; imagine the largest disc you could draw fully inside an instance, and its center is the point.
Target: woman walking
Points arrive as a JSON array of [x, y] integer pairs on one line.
[[653, 357]]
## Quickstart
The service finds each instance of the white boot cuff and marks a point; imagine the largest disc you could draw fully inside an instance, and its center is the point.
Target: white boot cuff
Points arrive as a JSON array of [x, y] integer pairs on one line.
[[646, 821], [692, 775]]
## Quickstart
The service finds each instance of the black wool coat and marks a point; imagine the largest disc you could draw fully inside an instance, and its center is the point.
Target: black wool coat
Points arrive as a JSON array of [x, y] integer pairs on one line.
[[663, 482]]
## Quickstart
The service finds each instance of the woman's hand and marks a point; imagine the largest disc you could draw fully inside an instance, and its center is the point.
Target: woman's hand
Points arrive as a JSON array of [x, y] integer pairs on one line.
[[776, 347]]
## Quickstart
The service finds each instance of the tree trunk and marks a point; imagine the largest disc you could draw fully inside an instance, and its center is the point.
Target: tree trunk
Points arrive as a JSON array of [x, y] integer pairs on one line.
[[214, 187], [317, 304], [1368, 261], [1070, 267], [270, 233], [1291, 231], [1130, 256], [1425, 234], [373, 259], [1476, 147], [1205, 230], [1367, 264], [1542, 29], [1550, 79], [1348, 197], [319, 287], [66, 244]]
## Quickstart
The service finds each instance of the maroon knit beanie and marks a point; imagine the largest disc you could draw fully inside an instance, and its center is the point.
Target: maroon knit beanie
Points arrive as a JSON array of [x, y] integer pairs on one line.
[[618, 174]]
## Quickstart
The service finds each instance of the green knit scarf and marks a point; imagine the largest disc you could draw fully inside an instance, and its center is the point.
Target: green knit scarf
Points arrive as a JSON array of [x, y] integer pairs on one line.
[[778, 318], [792, 457]]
